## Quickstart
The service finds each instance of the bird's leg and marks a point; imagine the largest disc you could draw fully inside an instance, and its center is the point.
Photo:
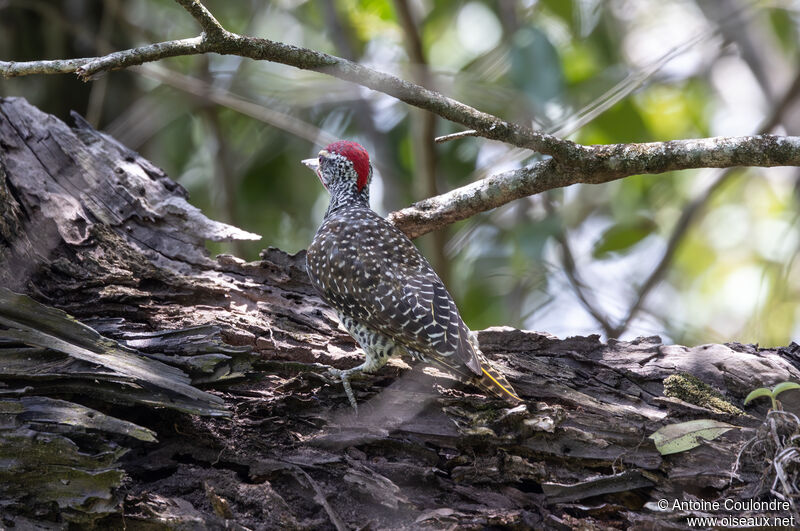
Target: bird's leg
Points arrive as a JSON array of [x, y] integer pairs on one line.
[[378, 348], [344, 377], [375, 360]]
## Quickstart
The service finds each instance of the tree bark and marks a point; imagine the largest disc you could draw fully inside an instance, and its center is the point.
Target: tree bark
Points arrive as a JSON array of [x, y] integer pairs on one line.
[[192, 393]]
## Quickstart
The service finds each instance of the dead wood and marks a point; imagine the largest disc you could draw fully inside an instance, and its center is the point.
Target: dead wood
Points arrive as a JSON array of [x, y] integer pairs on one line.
[[117, 329]]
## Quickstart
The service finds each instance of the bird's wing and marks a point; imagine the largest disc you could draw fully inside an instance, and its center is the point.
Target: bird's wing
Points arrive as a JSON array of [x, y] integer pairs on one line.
[[392, 289], [441, 325], [424, 317]]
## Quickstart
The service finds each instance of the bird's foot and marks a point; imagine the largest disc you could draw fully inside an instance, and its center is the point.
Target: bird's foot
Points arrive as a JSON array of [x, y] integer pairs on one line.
[[344, 377]]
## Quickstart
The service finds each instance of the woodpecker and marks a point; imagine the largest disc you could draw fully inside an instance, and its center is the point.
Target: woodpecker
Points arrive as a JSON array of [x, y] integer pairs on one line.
[[384, 291]]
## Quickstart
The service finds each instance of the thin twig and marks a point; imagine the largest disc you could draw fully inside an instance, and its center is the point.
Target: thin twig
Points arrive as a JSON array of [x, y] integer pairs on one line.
[[680, 230], [631, 82], [454, 136], [223, 170], [97, 95], [207, 21], [227, 43], [320, 498]]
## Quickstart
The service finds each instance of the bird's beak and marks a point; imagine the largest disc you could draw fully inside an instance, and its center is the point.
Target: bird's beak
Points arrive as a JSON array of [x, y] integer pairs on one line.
[[311, 164]]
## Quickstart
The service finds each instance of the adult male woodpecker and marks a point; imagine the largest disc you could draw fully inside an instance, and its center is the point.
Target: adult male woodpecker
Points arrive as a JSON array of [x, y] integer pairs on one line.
[[385, 292]]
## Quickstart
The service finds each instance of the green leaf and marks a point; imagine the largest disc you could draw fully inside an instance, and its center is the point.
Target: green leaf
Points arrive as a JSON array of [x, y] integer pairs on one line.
[[623, 236], [757, 393], [784, 28], [784, 386], [536, 67], [562, 9], [684, 436]]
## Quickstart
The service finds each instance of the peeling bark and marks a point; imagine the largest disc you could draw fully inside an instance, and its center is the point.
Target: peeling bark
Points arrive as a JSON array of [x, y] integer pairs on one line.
[[90, 228]]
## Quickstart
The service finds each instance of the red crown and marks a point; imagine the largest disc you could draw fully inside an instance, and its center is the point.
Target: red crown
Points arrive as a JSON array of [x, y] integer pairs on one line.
[[356, 154]]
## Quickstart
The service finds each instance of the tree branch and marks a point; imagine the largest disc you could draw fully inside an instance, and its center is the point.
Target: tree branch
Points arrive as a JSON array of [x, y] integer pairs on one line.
[[603, 164], [86, 67], [226, 43], [572, 163]]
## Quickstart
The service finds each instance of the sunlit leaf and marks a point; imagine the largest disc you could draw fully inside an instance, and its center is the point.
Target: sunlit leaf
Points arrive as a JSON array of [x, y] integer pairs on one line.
[[757, 393], [580, 63], [784, 386], [784, 28], [683, 436], [623, 123], [562, 9]]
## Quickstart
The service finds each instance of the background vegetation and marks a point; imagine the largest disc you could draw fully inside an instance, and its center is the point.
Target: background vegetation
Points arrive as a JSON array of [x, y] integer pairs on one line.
[[715, 250]]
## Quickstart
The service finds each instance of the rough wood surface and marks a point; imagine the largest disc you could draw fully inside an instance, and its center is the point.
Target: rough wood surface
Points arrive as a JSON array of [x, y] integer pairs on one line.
[[220, 361]]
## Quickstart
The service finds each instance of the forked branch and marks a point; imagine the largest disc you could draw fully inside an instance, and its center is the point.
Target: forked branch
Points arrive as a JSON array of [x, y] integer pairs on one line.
[[571, 163], [606, 163]]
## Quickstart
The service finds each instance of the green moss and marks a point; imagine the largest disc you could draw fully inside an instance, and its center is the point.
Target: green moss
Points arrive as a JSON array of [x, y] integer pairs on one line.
[[690, 389]]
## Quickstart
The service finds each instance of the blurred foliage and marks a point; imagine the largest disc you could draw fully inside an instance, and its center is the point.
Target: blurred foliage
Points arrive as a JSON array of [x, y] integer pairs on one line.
[[600, 71]]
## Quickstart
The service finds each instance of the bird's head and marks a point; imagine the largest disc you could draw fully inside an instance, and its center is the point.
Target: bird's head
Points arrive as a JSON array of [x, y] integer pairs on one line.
[[343, 167]]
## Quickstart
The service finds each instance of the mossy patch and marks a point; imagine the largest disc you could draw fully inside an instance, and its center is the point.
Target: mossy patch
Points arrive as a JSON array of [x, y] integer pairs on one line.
[[690, 389]]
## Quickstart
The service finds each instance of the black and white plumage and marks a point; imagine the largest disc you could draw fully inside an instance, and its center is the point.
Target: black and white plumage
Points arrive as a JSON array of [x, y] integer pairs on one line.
[[385, 292]]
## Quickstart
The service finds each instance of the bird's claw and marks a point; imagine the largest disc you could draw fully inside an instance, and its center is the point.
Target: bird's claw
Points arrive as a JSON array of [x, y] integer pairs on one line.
[[344, 377]]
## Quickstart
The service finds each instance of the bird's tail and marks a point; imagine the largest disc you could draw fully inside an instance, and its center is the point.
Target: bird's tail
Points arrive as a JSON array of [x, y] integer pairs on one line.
[[492, 381]]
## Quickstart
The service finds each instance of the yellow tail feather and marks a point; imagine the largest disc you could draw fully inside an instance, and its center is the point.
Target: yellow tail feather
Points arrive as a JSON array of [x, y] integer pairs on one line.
[[492, 380], [506, 388]]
